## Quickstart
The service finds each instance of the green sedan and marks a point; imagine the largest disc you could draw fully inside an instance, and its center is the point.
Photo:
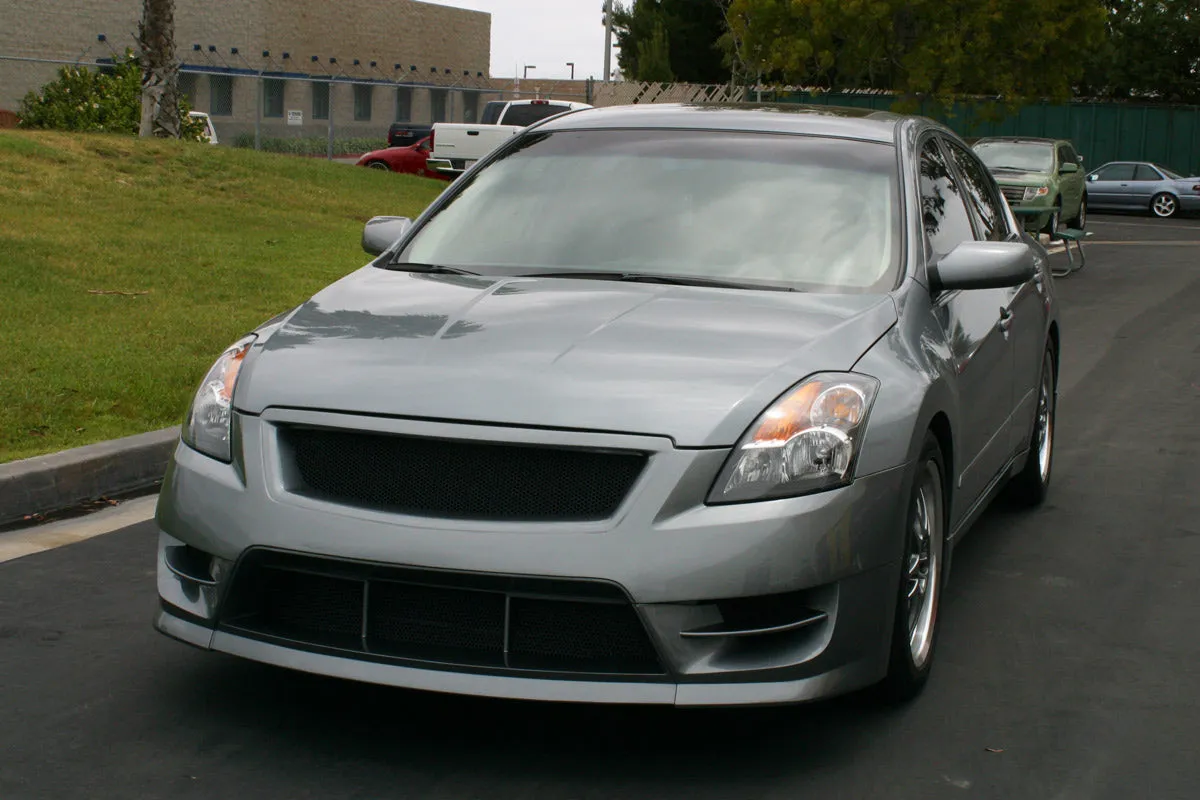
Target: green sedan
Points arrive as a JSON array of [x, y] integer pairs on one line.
[[1039, 174]]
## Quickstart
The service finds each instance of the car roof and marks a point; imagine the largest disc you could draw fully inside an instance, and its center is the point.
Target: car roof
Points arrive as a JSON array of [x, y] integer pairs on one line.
[[814, 120]]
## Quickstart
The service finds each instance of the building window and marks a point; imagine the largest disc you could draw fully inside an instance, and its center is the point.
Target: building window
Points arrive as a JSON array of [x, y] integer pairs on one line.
[[362, 102], [437, 104], [404, 104], [272, 97], [187, 88], [220, 95], [320, 101], [470, 106]]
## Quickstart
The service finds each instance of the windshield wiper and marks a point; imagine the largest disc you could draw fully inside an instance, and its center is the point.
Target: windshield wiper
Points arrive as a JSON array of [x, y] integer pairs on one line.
[[435, 269], [651, 277]]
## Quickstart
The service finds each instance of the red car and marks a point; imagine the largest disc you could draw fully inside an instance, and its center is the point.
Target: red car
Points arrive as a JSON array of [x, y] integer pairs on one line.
[[410, 160]]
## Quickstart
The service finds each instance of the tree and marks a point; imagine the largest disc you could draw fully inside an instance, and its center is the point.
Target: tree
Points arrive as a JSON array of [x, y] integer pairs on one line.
[[691, 28], [1151, 50], [1016, 50], [654, 56], [160, 75]]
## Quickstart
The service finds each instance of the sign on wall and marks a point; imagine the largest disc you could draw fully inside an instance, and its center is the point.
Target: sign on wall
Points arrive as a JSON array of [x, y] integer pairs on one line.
[[295, 117]]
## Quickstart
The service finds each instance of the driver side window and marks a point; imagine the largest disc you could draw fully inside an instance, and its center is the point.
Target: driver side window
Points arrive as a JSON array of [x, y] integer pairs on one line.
[[944, 212]]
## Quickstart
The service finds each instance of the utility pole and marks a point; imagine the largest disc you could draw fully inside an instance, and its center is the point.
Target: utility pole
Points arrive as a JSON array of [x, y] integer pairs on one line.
[[607, 40]]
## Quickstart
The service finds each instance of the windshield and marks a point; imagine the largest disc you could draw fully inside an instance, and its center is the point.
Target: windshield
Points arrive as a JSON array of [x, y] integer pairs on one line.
[[1174, 176], [1023, 156], [807, 213]]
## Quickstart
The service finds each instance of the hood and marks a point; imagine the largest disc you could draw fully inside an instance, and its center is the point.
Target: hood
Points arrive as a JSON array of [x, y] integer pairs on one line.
[[693, 364], [1011, 178]]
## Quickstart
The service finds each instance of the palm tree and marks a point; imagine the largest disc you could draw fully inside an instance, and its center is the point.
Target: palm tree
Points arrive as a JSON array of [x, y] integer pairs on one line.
[[160, 72]]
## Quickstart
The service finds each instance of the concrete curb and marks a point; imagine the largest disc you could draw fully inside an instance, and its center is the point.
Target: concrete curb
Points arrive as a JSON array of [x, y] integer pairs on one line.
[[57, 481]]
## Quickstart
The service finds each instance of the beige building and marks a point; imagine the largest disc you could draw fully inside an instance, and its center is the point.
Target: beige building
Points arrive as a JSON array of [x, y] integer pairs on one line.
[[285, 66]]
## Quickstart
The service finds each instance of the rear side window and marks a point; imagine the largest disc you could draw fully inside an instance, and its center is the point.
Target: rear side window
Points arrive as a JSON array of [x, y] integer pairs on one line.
[[491, 113], [1145, 173], [979, 192], [943, 209], [532, 112]]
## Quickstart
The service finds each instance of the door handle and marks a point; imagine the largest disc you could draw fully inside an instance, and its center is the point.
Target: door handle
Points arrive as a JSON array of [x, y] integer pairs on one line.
[[1006, 319]]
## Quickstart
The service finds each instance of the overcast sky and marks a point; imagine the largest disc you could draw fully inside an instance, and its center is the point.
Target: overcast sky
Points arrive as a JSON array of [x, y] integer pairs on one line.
[[546, 34]]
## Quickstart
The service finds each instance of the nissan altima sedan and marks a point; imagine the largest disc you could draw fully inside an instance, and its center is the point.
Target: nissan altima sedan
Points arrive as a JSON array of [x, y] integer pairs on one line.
[[661, 404]]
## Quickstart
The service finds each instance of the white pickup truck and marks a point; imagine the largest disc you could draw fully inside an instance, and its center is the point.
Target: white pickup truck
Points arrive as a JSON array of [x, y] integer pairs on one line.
[[456, 146]]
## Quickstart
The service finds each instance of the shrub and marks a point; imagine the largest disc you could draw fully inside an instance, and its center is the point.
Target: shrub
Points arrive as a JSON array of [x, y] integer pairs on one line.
[[105, 100]]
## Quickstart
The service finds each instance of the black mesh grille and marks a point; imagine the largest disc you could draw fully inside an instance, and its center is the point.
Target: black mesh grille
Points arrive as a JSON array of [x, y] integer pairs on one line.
[[526, 624], [316, 608], [411, 620], [557, 634], [459, 479]]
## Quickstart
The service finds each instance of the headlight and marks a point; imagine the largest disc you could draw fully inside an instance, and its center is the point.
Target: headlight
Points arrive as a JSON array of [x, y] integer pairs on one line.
[[207, 427], [1033, 192], [807, 441]]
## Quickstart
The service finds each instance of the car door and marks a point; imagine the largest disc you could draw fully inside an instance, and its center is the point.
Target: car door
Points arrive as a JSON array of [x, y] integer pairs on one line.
[[1027, 323], [1070, 183], [1110, 186], [1145, 183], [980, 352]]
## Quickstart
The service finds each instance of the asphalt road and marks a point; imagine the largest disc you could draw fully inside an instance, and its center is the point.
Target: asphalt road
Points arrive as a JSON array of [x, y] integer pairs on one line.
[[1070, 643]]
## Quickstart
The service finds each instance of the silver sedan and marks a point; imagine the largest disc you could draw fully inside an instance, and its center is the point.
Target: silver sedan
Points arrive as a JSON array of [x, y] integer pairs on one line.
[[1141, 186], [661, 404]]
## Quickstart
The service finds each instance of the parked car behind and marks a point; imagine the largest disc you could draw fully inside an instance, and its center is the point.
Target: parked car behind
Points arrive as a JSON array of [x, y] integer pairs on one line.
[[1142, 185], [410, 160], [680, 405], [1042, 174], [457, 146], [210, 131], [405, 134]]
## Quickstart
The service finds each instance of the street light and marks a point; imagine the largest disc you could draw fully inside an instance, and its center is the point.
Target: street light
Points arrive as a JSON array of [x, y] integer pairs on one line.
[[527, 68], [571, 64]]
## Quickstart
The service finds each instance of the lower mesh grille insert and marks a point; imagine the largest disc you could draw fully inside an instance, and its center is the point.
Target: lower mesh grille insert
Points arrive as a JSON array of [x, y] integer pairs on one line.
[[457, 479], [484, 621], [413, 620], [558, 634], [316, 608]]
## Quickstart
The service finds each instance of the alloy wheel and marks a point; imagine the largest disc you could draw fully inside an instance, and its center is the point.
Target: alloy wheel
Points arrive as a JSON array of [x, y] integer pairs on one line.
[[1045, 421], [1164, 205], [923, 562]]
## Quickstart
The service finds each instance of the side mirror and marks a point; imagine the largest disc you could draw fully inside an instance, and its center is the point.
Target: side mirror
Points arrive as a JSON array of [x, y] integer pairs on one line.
[[1067, 169], [983, 265], [1093, 177], [380, 233]]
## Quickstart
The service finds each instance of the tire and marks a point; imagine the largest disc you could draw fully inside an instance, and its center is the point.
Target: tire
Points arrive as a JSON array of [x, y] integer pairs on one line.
[[1164, 205], [1080, 221], [1029, 487], [1055, 218], [923, 569], [378, 165]]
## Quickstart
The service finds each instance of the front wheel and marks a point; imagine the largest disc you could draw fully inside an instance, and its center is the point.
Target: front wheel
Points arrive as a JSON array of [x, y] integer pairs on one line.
[[379, 165], [1051, 228], [922, 570], [1080, 221], [1031, 485], [1164, 205]]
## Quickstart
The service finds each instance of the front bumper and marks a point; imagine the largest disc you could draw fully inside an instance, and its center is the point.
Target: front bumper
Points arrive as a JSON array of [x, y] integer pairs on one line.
[[674, 558]]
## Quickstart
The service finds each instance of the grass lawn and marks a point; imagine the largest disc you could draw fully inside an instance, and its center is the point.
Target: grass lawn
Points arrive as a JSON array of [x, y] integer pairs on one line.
[[207, 242]]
